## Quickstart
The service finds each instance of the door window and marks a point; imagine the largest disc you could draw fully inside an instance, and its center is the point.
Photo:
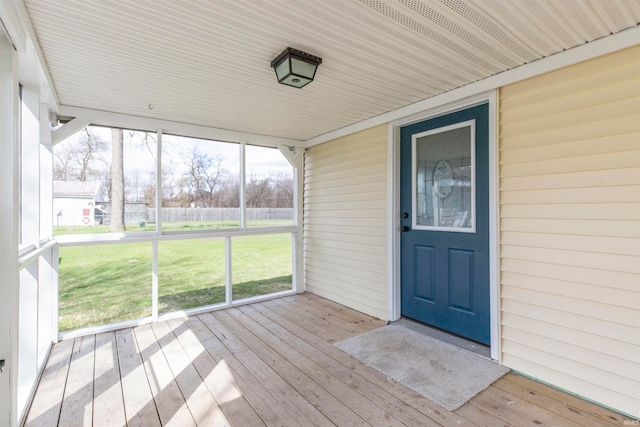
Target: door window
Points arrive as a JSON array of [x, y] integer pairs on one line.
[[444, 178]]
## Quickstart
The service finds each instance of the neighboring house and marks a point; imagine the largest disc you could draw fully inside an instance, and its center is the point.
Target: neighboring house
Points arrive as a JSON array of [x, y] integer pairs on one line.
[[74, 202]]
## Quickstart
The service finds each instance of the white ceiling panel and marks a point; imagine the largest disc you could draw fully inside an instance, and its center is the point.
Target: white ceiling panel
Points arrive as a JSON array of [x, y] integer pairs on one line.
[[208, 62]]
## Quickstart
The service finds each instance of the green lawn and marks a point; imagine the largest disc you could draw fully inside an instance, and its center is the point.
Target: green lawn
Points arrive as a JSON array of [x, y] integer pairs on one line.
[[107, 283]]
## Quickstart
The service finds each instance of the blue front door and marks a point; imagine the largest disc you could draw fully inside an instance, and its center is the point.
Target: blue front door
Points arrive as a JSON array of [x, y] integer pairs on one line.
[[444, 203]]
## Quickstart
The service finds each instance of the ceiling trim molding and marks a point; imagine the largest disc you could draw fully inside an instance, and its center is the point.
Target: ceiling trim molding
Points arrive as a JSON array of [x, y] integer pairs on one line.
[[16, 31], [615, 42], [107, 118], [32, 68]]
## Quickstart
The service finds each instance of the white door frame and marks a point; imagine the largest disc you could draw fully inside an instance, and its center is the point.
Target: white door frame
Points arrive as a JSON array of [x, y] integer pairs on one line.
[[393, 205]]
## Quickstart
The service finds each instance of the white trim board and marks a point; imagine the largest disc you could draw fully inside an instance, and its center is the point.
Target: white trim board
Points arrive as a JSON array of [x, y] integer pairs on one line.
[[110, 119], [622, 40], [393, 208], [92, 330], [31, 67], [9, 216]]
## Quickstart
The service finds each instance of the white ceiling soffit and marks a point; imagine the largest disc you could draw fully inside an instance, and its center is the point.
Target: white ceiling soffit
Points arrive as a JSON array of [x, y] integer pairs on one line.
[[208, 63]]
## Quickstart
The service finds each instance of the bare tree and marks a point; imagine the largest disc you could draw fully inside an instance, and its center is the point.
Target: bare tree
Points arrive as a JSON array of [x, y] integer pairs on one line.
[[117, 181], [214, 176], [259, 192], [203, 177], [79, 160], [229, 194], [169, 188]]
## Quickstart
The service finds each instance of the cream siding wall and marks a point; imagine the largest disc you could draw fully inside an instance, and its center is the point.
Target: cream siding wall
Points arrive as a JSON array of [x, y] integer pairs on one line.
[[345, 221], [570, 228]]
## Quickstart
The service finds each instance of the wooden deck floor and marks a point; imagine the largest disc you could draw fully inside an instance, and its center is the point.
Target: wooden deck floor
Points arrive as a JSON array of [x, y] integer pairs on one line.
[[270, 363]]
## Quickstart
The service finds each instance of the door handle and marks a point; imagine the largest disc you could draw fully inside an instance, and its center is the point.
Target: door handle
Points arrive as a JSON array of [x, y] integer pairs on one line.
[[404, 228]]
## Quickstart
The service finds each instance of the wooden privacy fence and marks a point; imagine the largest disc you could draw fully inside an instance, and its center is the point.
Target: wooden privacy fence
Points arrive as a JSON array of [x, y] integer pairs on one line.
[[218, 214]]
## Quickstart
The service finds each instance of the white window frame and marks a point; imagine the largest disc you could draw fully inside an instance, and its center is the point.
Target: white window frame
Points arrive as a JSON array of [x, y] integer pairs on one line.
[[29, 168], [9, 241], [295, 158]]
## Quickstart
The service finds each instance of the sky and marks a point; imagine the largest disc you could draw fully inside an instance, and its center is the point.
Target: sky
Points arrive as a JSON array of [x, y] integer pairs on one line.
[[261, 161]]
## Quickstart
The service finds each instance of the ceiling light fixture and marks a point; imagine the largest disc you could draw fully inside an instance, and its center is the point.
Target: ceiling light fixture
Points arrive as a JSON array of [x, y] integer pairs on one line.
[[295, 68]]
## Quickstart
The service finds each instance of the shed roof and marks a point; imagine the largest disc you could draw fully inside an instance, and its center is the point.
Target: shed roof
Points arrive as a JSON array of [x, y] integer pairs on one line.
[[76, 188]]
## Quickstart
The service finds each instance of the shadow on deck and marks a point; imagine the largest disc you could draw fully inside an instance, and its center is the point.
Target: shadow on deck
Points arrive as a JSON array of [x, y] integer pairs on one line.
[[270, 363]]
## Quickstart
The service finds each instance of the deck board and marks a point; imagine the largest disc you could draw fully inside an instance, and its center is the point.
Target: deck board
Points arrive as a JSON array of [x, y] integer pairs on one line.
[[301, 380], [171, 404], [77, 404], [204, 409], [108, 403], [267, 364], [387, 402], [45, 410], [539, 415], [328, 379], [139, 405], [303, 410], [263, 401]]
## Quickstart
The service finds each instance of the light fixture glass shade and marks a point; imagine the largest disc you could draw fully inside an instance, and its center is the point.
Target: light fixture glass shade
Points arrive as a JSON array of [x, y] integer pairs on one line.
[[283, 70], [295, 68], [302, 68]]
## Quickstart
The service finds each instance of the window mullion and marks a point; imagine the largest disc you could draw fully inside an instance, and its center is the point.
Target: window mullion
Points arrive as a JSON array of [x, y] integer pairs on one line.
[[243, 186], [159, 188], [158, 213], [154, 280], [228, 271]]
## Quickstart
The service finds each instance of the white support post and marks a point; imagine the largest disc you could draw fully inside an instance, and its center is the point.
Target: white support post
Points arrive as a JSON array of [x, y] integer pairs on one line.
[[298, 204], [155, 244], [159, 183], [46, 176], [8, 232], [55, 292], [243, 186], [228, 271], [30, 168], [68, 129], [154, 281], [296, 159]]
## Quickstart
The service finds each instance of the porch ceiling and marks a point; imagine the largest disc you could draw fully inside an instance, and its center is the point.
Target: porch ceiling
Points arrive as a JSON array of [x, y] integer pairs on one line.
[[208, 63]]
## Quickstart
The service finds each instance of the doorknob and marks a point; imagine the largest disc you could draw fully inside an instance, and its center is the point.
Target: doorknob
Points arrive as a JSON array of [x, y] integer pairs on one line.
[[404, 228]]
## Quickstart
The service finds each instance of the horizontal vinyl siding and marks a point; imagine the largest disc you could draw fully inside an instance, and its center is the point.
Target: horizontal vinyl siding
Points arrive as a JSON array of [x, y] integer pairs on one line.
[[570, 228], [345, 221]]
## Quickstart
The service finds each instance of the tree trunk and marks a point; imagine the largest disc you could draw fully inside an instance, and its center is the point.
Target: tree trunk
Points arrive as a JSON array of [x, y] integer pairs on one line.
[[117, 181]]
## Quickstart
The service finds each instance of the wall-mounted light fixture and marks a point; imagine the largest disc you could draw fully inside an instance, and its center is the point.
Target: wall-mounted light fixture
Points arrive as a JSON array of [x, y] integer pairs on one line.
[[295, 68]]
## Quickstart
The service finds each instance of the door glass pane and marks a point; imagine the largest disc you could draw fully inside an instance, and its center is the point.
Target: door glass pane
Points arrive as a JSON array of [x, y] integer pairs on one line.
[[443, 176]]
